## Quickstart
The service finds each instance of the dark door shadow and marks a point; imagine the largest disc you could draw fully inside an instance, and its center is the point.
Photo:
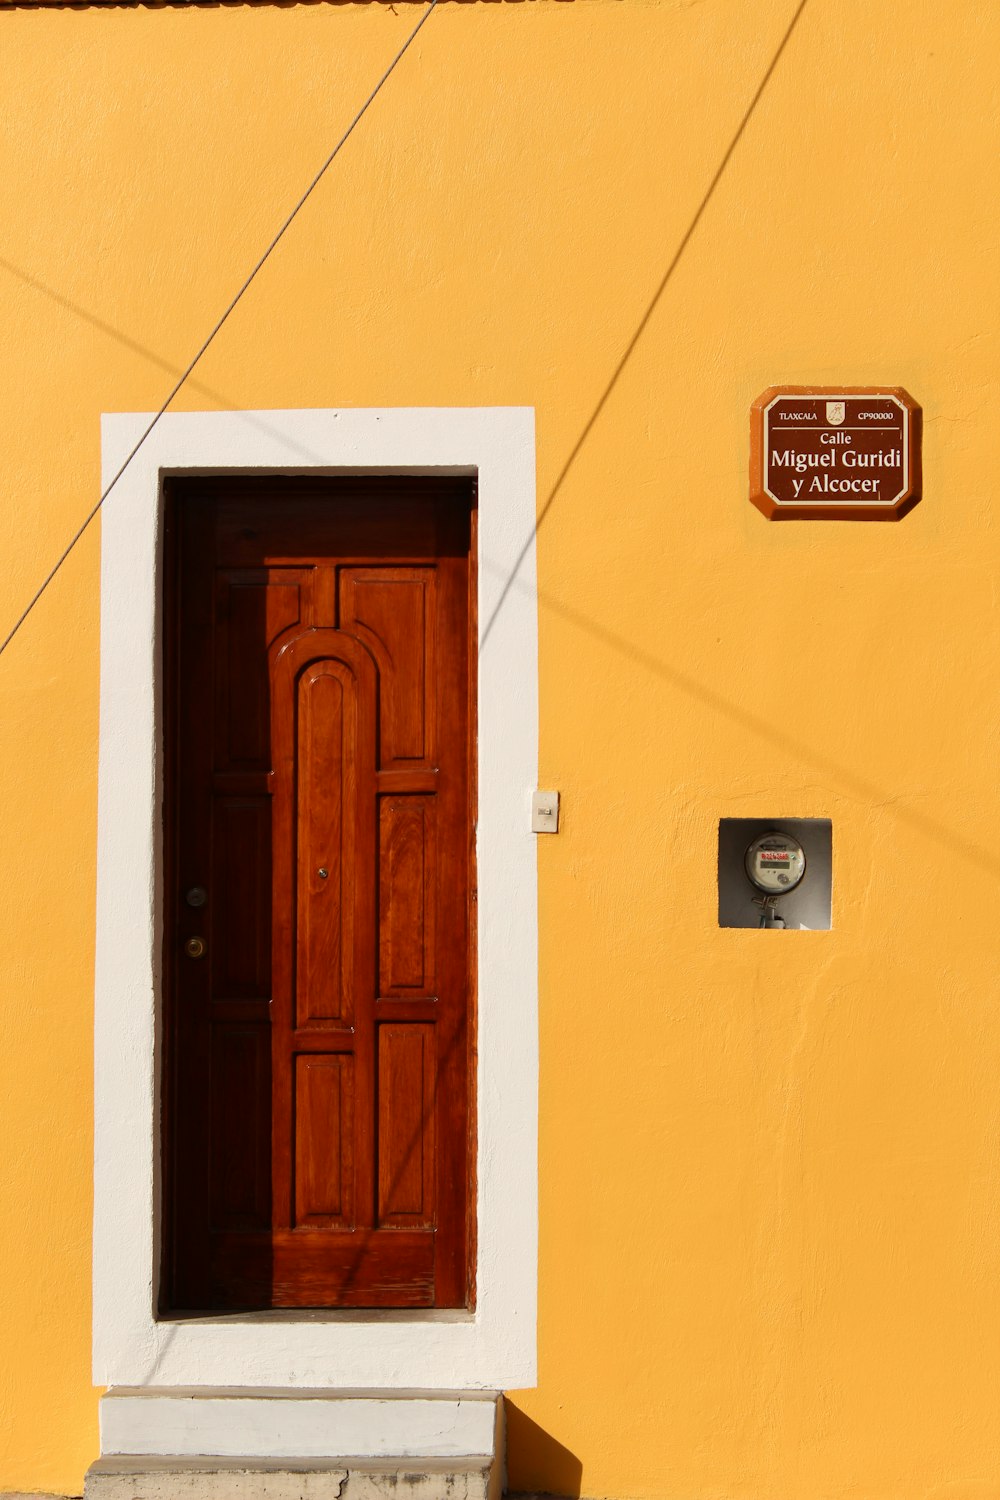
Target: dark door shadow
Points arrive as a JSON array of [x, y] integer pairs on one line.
[[536, 1463]]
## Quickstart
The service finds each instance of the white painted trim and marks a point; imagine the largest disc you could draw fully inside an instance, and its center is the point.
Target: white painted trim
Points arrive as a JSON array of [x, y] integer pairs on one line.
[[494, 1347], [192, 1424]]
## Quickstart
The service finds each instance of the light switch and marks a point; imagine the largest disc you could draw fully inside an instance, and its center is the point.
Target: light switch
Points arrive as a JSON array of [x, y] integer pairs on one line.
[[545, 812]]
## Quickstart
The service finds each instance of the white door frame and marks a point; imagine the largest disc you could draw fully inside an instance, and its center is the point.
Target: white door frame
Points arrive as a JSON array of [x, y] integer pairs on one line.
[[494, 1346]]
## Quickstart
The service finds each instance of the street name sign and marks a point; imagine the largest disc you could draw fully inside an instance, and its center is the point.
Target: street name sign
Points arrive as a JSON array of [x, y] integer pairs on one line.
[[843, 453]]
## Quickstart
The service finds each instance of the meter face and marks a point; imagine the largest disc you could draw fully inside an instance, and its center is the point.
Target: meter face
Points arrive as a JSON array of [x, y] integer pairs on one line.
[[775, 863]]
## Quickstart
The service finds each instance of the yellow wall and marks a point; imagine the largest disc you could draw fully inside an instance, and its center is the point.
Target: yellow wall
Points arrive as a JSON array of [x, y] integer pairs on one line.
[[769, 1210]]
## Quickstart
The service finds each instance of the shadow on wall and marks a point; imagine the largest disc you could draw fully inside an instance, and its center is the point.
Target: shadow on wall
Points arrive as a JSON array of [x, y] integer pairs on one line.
[[536, 1463]]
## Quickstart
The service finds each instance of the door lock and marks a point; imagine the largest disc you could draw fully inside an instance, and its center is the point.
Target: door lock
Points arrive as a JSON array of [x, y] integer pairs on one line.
[[195, 947]]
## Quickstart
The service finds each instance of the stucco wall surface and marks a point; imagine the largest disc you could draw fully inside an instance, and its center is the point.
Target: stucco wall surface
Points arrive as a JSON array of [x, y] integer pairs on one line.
[[770, 1249]]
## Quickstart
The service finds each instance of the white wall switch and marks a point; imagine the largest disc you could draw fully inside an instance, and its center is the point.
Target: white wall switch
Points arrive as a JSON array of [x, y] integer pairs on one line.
[[545, 812]]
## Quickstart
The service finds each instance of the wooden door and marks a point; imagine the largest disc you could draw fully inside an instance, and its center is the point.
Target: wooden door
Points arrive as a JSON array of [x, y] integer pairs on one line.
[[319, 835]]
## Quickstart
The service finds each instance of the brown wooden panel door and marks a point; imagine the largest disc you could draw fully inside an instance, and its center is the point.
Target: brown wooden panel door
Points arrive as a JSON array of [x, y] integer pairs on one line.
[[319, 834]]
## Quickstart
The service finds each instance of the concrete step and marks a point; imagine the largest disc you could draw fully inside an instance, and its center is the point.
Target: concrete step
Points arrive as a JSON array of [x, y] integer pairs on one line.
[[173, 1478], [240, 1423], [203, 1443]]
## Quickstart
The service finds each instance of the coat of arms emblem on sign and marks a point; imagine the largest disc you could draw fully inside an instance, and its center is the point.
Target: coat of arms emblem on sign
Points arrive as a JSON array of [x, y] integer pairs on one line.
[[835, 411]]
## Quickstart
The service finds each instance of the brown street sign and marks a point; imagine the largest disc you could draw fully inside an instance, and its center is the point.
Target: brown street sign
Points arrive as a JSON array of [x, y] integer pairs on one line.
[[844, 453]]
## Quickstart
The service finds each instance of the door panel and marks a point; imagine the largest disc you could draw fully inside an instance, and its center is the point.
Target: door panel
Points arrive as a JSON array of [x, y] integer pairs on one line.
[[318, 1073], [240, 955], [407, 1072], [240, 1189], [408, 878], [324, 1140], [393, 613], [325, 775]]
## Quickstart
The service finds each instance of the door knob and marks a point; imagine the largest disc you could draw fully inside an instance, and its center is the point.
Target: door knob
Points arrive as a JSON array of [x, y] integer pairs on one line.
[[195, 947]]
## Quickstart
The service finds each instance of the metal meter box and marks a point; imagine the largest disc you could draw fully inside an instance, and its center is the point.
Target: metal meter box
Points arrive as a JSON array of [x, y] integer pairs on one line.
[[776, 873]]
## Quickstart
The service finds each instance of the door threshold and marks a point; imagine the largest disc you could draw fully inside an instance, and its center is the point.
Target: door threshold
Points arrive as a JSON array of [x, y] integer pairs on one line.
[[266, 1315]]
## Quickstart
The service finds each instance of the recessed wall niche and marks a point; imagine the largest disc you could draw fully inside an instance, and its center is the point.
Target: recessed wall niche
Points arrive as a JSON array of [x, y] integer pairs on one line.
[[806, 907]]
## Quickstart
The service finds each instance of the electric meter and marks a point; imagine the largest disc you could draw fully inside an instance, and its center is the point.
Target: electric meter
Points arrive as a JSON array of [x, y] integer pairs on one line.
[[775, 863]]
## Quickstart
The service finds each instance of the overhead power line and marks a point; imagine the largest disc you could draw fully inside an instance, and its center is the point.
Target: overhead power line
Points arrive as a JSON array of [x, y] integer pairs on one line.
[[220, 322]]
